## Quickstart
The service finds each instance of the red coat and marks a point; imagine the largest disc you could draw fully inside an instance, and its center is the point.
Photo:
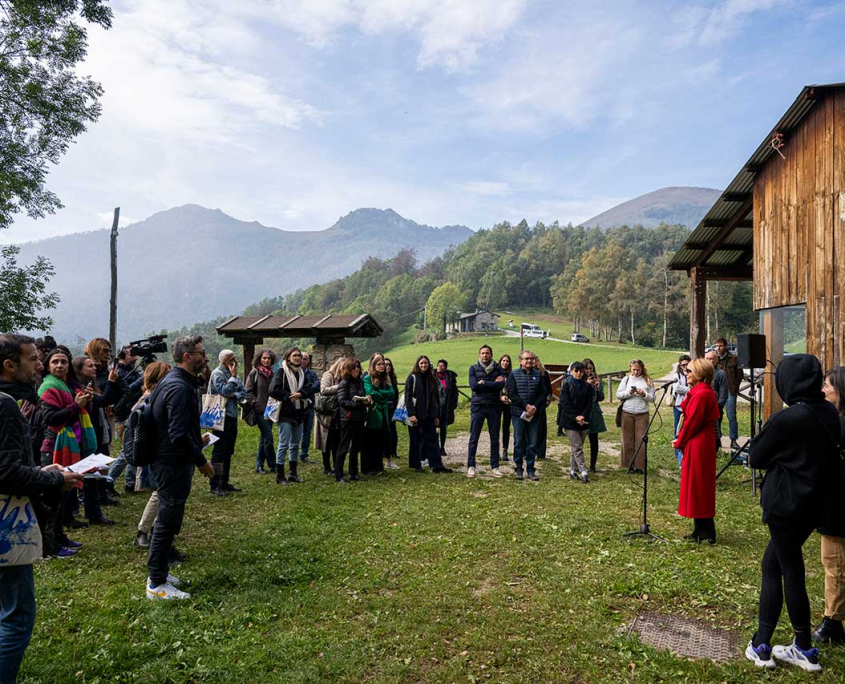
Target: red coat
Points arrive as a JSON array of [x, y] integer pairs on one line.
[[698, 443]]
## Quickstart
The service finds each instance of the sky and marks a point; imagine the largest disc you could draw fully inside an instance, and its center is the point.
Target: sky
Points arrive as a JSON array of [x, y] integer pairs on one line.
[[469, 112]]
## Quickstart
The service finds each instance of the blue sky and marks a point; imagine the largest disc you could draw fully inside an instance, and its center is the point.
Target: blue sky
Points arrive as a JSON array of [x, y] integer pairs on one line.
[[448, 111]]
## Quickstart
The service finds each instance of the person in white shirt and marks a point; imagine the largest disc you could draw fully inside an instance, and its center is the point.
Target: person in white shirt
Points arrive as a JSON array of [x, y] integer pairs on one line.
[[679, 392], [637, 392]]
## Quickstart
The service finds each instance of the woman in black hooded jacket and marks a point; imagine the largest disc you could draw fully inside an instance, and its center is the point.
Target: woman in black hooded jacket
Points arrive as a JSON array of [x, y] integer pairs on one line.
[[799, 449]]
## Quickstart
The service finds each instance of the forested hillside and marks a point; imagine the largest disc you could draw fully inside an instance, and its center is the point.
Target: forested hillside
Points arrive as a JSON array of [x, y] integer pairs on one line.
[[614, 284]]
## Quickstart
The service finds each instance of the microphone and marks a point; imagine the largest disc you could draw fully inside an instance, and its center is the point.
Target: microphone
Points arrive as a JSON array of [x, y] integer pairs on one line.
[[667, 384]]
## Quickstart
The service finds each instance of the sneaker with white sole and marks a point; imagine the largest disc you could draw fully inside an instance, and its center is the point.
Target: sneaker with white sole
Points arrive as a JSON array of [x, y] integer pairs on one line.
[[175, 581], [470, 472], [795, 655], [391, 465], [164, 592], [497, 473], [760, 655]]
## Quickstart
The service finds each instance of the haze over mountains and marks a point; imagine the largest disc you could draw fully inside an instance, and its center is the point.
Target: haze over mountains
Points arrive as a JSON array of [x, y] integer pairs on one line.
[[675, 205], [191, 264]]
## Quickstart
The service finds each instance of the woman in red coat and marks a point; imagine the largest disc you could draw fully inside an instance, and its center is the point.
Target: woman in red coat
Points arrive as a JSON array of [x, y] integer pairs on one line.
[[695, 440]]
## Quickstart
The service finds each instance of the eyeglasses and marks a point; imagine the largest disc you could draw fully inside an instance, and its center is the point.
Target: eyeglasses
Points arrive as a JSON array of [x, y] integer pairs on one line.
[[684, 365]]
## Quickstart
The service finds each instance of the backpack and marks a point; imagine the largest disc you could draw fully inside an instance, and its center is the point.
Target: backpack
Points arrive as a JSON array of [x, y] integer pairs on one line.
[[138, 447]]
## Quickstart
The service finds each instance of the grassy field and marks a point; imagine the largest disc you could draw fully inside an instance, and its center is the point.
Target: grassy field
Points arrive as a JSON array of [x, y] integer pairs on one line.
[[462, 352], [414, 577]]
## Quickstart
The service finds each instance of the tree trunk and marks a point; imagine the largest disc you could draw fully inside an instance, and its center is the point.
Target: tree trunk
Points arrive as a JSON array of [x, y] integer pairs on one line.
[[665, 303], [633, 340]]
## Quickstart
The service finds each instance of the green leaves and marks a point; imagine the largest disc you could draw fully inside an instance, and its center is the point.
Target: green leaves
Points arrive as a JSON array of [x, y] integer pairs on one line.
[[24, 292]]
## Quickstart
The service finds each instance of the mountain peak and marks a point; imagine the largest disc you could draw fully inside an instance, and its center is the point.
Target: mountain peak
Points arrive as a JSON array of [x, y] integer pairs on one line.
[[674, 205]]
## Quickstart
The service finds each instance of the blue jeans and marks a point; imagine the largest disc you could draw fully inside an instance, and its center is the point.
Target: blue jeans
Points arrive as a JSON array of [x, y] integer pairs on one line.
[[730, 410], [493, 416], [307, 427], [525, 442], [17, 618], [678, 414], [290, 436], [266, 450]]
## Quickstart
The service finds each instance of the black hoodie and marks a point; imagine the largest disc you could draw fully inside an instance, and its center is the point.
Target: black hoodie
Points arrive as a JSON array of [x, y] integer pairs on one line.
[[798, 447]]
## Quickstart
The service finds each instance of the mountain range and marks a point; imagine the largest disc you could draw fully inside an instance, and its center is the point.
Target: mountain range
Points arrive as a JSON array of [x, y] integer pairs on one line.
[[676, 205], [191, 264]]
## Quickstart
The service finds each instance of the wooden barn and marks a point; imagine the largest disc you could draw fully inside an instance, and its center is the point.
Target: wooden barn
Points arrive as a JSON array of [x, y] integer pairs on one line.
[[781, 223]]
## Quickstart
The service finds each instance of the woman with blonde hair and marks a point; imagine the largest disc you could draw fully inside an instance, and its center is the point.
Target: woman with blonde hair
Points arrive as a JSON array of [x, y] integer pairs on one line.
[[636, 391], [695, 441]]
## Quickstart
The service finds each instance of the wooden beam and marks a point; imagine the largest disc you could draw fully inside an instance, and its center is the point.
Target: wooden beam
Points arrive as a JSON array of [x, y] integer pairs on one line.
[[735, 196], [719, 223], [738, 272], [249, 355], [697, 315], [773, 330], [724, 231]]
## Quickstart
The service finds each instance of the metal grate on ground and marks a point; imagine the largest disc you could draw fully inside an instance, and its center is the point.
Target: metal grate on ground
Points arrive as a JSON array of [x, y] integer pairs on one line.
[[686, 637]]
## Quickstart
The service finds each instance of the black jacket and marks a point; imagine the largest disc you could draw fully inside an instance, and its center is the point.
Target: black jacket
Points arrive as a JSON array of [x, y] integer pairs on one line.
[[833, 519], [487, 394], [176, 419], [133, 380], [524, 389], [451, 396], [349, 411], [576, 399], [798, 447], [280, 391], [422, 396], [18, 473]]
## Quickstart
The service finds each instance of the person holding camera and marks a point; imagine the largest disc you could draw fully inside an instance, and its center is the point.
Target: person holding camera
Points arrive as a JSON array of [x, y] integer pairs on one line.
[[132, 382], [20, 372], [225, 382], [596, 417], [177, 445], [680, 388], [636, 391]]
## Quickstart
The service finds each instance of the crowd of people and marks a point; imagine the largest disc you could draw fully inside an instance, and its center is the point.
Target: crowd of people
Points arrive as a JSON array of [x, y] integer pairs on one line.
[[56, 409]]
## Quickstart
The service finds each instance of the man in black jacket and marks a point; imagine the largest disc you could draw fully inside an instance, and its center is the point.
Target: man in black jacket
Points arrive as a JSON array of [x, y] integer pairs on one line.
[[799, 449], [526, 392], [20, 370], [178, 444], [486, 380], [131, 381]]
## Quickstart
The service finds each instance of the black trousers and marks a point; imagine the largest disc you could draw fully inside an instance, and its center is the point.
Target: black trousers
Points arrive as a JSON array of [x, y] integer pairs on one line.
[[594, 449], [332, 443], [173, 478], [375, 448], [423, 438], [506, 429], [477, 416], [221, 452], [352, 443], [394, 439], [542, 432], [783, 574]]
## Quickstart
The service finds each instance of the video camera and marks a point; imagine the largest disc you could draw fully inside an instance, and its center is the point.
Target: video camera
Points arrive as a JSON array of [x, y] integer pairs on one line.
[[148, 348]]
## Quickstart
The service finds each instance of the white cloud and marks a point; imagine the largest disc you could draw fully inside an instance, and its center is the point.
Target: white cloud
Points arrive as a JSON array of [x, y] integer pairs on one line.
[[712, 26], [106, 219]]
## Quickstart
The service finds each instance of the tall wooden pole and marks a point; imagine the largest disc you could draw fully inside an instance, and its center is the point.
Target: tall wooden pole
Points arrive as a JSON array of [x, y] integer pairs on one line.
[[698, 306], [113, 300]]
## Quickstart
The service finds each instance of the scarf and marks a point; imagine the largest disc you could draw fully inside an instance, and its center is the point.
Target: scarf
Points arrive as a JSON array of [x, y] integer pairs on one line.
[[295, 381], [265, 371], [487, 369], [71, 441]]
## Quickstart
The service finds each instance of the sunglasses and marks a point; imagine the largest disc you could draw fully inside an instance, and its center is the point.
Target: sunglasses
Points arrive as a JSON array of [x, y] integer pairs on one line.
[[635, 361]]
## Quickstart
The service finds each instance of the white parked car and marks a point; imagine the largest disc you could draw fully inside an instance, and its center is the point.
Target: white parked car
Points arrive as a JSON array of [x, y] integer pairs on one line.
[[578, 337], [531, 330]]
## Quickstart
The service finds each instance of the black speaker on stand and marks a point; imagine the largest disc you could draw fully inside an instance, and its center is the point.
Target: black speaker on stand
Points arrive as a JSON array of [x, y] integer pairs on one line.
[[751, 350]]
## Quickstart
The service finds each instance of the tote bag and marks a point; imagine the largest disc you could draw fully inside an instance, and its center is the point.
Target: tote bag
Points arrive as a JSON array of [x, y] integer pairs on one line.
[[271, 413], [400, 415], [213, 414]]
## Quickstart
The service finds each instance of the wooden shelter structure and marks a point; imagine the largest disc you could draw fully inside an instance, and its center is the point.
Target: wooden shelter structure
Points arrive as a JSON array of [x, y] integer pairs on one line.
[[330, 332], [781, 223]]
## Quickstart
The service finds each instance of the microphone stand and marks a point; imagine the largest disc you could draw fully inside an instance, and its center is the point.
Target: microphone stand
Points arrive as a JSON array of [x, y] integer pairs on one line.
[[645, 530]]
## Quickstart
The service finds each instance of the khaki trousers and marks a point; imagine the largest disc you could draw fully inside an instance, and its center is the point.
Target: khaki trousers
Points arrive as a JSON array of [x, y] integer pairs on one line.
[[833, 559], [634, 426]]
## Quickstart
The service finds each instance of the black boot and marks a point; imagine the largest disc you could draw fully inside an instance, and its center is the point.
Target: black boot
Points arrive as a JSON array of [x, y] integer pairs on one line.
[[327, 463], [280, 474], [830, 631], [216, 482], [293, 476]]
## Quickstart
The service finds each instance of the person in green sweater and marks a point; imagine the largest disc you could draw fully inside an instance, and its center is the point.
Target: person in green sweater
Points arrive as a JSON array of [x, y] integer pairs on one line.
[[377, 434]]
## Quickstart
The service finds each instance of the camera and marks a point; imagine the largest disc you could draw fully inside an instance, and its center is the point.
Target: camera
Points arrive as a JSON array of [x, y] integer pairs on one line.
[[148, 348]]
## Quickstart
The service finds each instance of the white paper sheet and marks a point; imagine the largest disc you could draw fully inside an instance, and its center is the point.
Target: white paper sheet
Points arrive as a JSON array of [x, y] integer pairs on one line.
[[92, 462], [212, 439]]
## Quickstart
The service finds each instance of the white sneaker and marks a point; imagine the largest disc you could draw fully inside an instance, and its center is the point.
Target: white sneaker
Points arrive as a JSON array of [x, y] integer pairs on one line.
[[793, 655], [391, 465], [175, 581], [497, 473], [760, 656], [470, 472], [164, 592]]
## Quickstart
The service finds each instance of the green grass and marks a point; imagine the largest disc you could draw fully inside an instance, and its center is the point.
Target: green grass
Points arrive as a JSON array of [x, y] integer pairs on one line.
[[462, 352], [411, 577]]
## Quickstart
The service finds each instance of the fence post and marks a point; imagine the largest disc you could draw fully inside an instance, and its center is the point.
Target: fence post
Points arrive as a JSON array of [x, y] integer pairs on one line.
[[610, 388]]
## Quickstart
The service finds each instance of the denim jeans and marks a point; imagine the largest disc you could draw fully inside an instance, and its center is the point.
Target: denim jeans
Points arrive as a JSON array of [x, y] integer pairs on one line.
[[307, 428], [17, 618], [493, 416], [525, 442], [290, 436], [730, 410], [676, 411], [266, 449]]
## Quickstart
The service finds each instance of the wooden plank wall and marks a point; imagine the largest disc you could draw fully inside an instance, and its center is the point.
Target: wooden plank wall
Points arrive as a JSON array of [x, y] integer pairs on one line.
[[799, 218]]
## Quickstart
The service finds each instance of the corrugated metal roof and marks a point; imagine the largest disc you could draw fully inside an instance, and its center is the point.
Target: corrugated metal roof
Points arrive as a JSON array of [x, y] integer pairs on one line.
[[735, 248]]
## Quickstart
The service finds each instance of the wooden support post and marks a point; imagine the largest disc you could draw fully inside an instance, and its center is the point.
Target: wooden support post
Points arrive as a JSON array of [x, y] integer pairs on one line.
[[773, 330], [697, 316], [113, 300], [249, 355], [610, 389]]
